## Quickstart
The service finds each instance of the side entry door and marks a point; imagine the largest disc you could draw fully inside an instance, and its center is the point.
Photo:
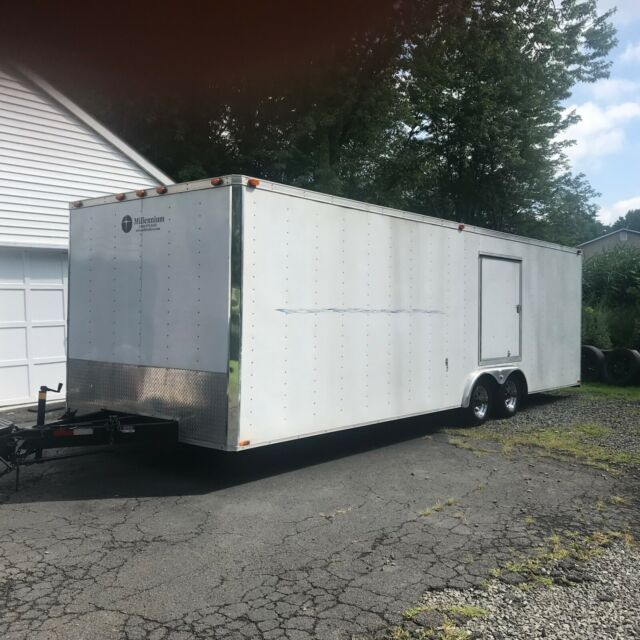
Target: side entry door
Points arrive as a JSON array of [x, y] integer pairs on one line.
[[500, 309]]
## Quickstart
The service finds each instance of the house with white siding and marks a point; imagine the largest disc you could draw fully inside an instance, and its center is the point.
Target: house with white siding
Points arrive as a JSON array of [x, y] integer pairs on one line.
[[51, 153]]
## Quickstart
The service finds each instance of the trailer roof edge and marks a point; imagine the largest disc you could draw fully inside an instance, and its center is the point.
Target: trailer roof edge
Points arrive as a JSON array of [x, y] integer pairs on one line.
[[308, 194]]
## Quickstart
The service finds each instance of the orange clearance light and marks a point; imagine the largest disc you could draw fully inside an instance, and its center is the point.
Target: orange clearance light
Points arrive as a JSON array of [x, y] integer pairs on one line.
[[141, 193], [461, 227], [253, 182], [161, 189], [77, 203], [244, 443], [120, 197], [216, 181]]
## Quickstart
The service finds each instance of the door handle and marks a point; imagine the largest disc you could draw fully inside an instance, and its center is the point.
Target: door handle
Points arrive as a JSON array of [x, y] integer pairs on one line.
[[518, 308]]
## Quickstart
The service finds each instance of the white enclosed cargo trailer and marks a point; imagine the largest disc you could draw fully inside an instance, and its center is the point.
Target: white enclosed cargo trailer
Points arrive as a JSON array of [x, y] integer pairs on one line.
[[253, 313]]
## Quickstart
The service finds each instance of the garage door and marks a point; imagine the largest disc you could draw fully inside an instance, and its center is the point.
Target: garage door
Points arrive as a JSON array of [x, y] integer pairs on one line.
[[33, 307]]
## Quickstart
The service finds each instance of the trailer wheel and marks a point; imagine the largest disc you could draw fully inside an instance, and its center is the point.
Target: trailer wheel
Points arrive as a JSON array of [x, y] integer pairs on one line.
[[480, 402], [592, 364], [622, 366], [509, 397]]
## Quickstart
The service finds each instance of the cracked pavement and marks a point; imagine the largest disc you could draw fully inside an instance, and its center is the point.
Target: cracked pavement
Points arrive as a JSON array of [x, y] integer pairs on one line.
[[320, 538]]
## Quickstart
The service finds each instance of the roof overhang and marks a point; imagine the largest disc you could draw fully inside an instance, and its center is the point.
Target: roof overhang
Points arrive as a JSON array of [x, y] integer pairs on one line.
[[611, 233]]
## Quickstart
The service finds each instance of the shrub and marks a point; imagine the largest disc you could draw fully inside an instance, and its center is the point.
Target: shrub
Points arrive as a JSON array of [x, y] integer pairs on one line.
[[611, 291], [612, 278], [623, 327], [595, 328]]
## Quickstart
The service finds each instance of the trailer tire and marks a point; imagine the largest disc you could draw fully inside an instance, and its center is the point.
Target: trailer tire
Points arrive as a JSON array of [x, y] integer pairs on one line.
[[481, 400], [592, 364], [510, 396], [622, 366]]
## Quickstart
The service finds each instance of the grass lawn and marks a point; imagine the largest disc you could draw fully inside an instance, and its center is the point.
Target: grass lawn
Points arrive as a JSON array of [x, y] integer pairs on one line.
[[610, 391]]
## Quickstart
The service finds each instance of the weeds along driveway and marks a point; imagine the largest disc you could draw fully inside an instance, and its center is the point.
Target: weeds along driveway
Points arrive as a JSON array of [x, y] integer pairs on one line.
[[326, 538]]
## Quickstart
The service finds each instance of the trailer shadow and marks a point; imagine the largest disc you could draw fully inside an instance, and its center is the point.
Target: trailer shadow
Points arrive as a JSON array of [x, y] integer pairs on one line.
[[182, 470]]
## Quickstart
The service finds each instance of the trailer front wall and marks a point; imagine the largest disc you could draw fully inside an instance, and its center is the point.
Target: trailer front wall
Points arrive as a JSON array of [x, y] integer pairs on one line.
[[352, 317], [149, 309]]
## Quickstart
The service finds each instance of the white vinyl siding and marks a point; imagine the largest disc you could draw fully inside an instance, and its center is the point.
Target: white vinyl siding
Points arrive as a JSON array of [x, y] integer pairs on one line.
[[51, 153], [48, 158]]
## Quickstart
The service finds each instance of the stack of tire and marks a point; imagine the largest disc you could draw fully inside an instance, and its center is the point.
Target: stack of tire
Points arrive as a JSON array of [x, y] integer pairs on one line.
[[613, 366]]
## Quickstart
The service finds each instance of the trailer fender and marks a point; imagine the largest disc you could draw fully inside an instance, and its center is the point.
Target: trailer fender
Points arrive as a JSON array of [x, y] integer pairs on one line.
[[499, 374]]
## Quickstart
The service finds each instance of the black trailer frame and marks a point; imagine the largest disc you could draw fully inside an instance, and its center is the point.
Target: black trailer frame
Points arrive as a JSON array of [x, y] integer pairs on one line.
[[22, 446]]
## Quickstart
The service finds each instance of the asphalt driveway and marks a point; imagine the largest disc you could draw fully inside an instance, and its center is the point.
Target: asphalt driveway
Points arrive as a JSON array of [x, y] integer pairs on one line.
[[331, 537]]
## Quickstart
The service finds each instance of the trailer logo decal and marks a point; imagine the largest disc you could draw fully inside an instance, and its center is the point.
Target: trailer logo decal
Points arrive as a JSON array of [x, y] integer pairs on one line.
[[148, 224], [141, 223]]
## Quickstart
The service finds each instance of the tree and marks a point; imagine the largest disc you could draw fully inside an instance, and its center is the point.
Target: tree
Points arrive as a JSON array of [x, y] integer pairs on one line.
[[453, 108], [631, 220], [456, 114], [570, 216], [486, 85]]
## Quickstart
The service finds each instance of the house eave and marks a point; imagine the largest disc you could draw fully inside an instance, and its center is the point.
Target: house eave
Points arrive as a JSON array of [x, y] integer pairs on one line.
[[92, 123]]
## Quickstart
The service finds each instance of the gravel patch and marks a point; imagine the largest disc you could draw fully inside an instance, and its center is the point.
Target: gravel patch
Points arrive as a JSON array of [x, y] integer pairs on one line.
[[566, 409], [605, 605], [598, 599]]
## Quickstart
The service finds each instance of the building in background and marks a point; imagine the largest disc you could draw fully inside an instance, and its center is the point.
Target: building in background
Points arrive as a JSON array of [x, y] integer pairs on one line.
[[619, 238], [51, 153]]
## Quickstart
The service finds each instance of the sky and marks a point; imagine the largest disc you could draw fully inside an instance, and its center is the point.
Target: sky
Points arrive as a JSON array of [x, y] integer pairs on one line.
[[607, 148]]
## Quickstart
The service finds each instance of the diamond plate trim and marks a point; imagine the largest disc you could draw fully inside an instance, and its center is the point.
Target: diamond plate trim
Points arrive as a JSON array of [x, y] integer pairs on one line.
[[197, 400]]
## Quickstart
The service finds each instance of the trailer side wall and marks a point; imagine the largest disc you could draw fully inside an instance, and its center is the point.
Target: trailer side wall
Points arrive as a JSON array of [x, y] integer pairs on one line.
[[352, 317]]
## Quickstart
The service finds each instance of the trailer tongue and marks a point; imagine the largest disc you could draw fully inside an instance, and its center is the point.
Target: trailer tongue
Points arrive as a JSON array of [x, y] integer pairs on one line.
[[22, 446]]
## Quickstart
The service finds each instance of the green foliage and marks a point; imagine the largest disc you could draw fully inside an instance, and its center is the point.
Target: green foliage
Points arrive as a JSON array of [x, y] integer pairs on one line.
[[611, 289], [595, 329]]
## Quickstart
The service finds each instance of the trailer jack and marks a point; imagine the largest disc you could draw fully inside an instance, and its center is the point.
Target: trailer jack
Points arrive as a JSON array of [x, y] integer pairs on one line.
[[23, 446]]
